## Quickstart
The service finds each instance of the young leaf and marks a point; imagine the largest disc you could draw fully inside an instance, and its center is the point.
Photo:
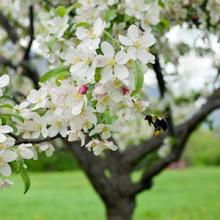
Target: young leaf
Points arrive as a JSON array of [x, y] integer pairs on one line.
[[11, 115], [138, 77], [110, 14], [83, 24], [98, 74], [60, 10], [54, 73], [25, 177], [72, 7]]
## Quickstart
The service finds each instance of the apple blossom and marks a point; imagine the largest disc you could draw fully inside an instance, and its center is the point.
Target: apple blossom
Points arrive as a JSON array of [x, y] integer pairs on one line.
[[138, 44]]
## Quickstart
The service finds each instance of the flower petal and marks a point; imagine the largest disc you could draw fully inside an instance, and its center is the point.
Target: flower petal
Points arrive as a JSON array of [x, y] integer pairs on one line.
[[133, 32], [121, 57], [125, 40], [6, 129], [4, 80], [5, 170], [121, 72], [107, 49]]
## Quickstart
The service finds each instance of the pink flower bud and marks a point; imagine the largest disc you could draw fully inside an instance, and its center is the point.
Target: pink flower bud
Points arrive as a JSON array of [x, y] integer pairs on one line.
[[125, 90], [83, 89]]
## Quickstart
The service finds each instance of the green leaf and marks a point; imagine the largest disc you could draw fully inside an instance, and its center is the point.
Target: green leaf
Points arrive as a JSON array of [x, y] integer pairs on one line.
[[72, 7], [60, 71], [138, 77], [60, 10], [165, 23], [161, 3], [6, 97], [110, 14], [12, 115], [98, 74], [25, 177], [83, 24], [6, 106]]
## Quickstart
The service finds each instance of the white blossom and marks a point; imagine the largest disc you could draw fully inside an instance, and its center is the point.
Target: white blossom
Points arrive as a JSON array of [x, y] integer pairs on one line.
[[138, 44]]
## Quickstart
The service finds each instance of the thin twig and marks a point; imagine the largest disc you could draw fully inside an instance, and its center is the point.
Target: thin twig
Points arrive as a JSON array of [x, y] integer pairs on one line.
[[9, 29]]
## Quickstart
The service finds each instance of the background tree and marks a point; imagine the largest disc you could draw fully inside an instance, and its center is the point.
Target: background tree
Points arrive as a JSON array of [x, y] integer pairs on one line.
[[110, 173]]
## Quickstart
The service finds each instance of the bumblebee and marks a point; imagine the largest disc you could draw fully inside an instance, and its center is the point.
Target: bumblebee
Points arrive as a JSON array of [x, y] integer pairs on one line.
[[158, 123]]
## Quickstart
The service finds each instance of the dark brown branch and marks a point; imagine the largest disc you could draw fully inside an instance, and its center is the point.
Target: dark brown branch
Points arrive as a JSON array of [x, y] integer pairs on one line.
[[31, 33], [159, 76], [12, 34], [19, 140]]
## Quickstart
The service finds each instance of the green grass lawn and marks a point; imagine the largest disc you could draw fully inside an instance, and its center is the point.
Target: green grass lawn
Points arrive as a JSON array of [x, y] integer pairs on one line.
[[192, 194]]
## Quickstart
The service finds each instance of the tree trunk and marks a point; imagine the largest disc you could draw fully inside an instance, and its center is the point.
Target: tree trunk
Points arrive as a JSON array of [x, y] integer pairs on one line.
[[122, 209]]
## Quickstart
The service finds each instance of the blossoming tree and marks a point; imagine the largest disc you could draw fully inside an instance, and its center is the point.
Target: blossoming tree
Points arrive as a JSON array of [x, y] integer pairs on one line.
[[92, 97]]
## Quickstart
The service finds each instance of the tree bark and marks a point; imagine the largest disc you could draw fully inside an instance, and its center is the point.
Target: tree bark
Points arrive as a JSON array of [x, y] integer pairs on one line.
[[123, 209]]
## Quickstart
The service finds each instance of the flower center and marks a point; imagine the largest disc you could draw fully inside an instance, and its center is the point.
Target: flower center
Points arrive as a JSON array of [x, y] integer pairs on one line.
[[105, 130], [137, 43], [117, 83], [105, 100], [111, 62], [90, 34], [77, 96], [88, 61], [58, 124]]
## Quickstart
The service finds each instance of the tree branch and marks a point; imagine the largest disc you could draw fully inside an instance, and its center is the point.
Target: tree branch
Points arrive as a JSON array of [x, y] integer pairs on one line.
[[9, 29], [135, 153], [19, 140], [160, 79], [183, 133], [31, 33]]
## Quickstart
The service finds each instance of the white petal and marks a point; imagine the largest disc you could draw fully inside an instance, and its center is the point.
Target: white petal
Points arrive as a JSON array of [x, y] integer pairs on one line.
[[99, 26], [107, 49], [8, 156], [133, 32], [4, 80], [148, 40], [100, 61], [5, 170], [2, 138], [106, 74], [52, 131], [6, 129], [98, 150], [132, 53], [75, 68], [26, 153], [125, 40], [121, 57], [100, 107], [144, 56], [81, 33], [77, 109], [116, 95], [121, 72]]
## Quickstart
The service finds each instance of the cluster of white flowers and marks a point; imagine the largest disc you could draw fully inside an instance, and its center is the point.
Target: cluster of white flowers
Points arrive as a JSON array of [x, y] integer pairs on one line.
[[9, 150], [95, 83]]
